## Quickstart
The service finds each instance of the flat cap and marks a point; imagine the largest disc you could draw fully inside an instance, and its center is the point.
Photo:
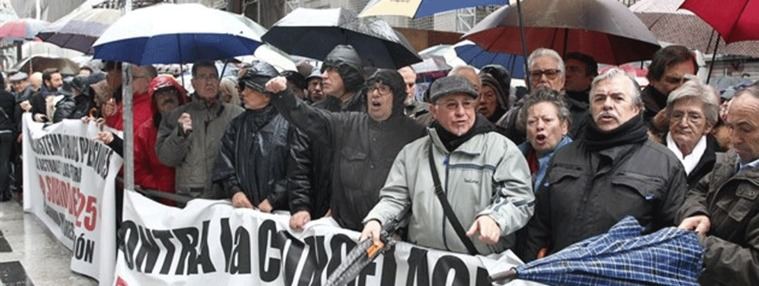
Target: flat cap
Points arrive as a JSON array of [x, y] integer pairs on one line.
[[450, 85], [19, 76]]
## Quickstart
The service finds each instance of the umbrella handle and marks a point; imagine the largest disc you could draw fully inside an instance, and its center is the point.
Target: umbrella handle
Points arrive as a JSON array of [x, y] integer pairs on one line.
[[504, 277]]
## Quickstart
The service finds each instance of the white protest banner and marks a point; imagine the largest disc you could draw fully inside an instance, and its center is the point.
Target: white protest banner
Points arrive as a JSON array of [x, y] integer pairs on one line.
[[211, 243], [69, 186]]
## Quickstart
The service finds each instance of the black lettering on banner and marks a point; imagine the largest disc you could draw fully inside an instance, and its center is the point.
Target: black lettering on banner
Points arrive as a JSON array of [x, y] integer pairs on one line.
[[268, 229], [226, 242], [389, 267], [483, 277], [444, 265], [84, 249], [165, 237], [292, 256], [417, 267], [240, 262], [128, 236], [189, 257], [148, 253], [337, 243], [316, 259]]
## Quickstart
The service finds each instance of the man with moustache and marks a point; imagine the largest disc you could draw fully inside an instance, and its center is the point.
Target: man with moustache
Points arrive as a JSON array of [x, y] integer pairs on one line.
[[612, 162]]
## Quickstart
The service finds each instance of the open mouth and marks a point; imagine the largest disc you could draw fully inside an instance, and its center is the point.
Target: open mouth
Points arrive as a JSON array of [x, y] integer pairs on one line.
[[376, 104], [540, 138]]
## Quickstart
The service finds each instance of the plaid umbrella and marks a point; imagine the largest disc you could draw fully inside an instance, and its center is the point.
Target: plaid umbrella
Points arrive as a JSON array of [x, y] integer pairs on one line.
[[669, 256]]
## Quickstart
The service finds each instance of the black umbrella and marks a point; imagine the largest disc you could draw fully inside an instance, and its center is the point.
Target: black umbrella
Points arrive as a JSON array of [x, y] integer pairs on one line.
[[314, 33]]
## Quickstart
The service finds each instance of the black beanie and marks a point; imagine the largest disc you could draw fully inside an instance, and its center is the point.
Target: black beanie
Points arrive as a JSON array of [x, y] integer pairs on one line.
[[257, 75]]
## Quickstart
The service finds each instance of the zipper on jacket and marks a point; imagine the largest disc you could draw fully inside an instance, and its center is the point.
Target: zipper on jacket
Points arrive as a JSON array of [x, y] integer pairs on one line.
[[445, 191]]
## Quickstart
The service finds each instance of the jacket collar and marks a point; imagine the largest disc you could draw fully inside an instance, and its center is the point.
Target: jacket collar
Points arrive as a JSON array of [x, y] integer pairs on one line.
[[727, 167], [472, 147]]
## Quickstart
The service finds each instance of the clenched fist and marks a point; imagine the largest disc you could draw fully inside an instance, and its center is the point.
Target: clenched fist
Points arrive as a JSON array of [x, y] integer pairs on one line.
[[185, 122]]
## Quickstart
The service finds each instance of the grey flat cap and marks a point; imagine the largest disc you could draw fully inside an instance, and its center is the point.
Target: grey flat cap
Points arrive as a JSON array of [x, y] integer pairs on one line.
[[19, 76], [450, 85]]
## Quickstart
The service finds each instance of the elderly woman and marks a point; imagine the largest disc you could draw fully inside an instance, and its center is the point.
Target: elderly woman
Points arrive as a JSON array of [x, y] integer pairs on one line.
[[692, 111], [494, 94], [546, 117]]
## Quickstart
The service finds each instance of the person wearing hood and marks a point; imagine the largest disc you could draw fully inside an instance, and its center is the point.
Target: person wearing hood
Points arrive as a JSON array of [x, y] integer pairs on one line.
[[77, 104], [494, 94], [478, 172], [611, 172], [166, 94], [188, 137], [342, 80], [252, 162], [365, 144]]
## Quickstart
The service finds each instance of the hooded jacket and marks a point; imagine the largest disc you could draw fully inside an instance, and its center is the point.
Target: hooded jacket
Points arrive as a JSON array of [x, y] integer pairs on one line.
[[485, 175], [364, 150], [149, 172], [348, 64]]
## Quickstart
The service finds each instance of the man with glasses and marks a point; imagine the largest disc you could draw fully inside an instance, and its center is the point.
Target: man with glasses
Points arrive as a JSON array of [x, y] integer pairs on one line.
[[546, 70], [483, 180], [365, 144], [189, 136], [668, 71]]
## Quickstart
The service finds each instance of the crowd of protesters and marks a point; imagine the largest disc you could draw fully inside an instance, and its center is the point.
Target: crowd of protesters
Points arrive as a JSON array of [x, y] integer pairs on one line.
[[481, 168]]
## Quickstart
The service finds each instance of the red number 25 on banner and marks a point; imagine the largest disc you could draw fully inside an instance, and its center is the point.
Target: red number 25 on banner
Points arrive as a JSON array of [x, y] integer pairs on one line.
[[88, 205]]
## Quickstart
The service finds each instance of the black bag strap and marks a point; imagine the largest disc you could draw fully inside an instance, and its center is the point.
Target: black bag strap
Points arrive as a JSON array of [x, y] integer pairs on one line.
[[447, 210]]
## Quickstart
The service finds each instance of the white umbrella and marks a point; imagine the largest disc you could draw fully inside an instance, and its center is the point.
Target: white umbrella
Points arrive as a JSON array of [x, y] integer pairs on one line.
[[176, 33]]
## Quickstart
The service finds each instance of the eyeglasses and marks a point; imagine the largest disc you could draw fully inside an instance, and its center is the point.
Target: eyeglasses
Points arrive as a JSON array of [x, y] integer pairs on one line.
[[549, 73], [381, 88]]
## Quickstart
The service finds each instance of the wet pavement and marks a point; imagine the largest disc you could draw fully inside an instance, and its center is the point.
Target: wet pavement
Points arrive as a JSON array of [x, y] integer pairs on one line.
[[30, 254]]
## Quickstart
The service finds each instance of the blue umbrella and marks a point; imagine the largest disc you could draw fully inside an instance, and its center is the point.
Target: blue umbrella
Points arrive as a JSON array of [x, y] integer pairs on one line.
[[669, 256], [421, 8], [478, 57], [177, 33]]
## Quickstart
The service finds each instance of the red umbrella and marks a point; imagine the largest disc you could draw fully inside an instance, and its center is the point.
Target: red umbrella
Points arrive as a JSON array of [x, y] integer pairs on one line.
[[21, 29], [735, 20], [606, 30]]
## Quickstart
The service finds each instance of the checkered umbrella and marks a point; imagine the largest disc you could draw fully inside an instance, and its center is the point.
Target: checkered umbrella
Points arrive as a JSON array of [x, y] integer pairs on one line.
[[622, 256]]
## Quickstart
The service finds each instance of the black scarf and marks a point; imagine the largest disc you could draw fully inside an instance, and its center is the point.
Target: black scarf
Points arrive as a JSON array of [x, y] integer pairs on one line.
[[451, 141], [632, 131]]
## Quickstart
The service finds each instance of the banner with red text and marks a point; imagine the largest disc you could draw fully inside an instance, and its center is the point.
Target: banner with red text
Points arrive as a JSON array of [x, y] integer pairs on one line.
[[211, 243], [69, 181]]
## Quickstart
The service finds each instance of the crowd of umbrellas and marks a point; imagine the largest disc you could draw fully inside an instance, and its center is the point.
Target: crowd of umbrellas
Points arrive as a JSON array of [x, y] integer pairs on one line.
[[605, 29]]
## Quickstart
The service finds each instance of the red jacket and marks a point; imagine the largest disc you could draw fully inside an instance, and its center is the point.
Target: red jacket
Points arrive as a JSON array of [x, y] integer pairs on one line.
[[149, 173], [141, 112]]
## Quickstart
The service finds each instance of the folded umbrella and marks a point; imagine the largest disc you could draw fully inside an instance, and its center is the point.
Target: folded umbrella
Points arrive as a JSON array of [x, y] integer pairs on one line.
[[313, 33], [621, 256], [605, 30]]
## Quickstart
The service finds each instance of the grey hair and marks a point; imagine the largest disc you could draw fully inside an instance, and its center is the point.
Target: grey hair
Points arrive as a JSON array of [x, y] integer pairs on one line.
[[543, 52], [693, 89], [545, 94], [616, 72], [752, 90]]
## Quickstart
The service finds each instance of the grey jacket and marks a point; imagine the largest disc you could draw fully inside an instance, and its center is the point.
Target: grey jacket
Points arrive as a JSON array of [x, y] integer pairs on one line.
[[193, 155], [487, 175]]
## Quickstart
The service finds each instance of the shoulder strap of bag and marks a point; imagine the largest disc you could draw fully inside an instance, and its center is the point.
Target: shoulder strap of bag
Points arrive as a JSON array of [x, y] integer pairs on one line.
[[447, 210]]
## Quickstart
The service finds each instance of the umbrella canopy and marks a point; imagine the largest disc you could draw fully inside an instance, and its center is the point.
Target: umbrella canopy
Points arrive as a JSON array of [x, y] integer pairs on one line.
[[735, 20], [176, 33], [420, 8], [621, 256], [682, 27], [313, 33], [79, 29], [606, 30], [476, 56], [433, 63], [21, 29], [41, 62]]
